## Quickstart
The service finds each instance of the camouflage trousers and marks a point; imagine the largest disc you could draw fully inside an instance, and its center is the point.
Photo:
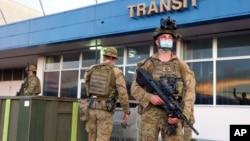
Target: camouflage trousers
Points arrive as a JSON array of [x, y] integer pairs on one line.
[[153, 121], [187, 133], [99, 125], [187, 130]]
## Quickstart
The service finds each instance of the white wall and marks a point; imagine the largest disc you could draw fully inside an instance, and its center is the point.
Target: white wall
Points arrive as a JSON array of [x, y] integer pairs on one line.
[[9, 88], [213, 123], [40, 70]]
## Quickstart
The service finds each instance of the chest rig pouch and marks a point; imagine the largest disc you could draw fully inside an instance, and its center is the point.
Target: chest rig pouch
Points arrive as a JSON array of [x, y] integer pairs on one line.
[[101, 81], [171, 74]]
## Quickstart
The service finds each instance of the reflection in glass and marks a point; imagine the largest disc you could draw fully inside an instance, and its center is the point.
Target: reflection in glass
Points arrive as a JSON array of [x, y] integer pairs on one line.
[[69, 83], [138, 53], [232, 74], [237, 45], [50, 87], [129, 76], [90, 57], [241, 97], [52, 62], [70, 60], [204, 81], [197, 49]]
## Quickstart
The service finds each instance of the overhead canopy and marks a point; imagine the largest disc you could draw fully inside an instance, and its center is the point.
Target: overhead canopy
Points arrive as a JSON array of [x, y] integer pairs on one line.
[[11, 11]]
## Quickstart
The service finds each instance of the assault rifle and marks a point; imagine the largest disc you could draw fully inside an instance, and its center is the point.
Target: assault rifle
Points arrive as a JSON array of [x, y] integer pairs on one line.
[[25, 83], [165, 93]]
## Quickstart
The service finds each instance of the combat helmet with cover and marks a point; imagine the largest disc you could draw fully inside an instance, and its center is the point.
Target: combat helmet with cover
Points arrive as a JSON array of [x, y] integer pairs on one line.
[[111, 52], [31, 68], [167, 26]]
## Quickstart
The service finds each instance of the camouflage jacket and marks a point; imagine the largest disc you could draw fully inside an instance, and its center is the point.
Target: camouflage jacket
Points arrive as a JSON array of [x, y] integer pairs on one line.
[[33, 86], [120, 86], [188, 78]]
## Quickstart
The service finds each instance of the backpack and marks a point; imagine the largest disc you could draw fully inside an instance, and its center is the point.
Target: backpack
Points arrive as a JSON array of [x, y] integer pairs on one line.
[[102, 80]]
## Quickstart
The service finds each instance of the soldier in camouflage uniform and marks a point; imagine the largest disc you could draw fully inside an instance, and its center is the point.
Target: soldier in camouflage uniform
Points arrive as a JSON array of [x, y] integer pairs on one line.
[[103, 89], [166, 65], [31, 85]]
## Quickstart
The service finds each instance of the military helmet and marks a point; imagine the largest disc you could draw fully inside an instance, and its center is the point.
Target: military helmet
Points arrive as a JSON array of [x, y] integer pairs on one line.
[[168, 26], [159, 31], [31, 67], [111, 51]]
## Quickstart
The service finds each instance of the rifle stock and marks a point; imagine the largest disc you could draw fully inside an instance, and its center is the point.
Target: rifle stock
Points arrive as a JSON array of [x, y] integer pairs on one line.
[[165, 93]]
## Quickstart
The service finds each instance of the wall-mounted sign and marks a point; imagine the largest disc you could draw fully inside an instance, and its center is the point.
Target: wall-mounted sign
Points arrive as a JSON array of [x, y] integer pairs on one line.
[[142, 9]]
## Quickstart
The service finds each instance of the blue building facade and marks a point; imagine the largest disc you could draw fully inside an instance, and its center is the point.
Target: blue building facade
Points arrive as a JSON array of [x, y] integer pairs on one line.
[[215, 43], [113, 18]]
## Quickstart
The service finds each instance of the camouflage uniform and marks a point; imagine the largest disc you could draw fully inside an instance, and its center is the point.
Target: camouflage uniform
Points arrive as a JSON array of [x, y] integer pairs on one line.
[[153, 118], [34, 87], [100, 122], [31, 84]]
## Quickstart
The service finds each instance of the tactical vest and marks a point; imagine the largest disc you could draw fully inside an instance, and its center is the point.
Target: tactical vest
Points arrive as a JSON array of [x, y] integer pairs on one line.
[[28, 89], [170, 72], [102, 81]]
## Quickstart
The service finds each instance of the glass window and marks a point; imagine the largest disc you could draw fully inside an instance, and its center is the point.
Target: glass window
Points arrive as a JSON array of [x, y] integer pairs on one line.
[[129, 76], [237, 45], [232, 74], [83, 91], [120, 56], [197, 49], [83, 88], [204, 81], [90, 57], [69, 81], [51, 83], [18, 74], [71, 60], [82, 74], [7, 75], [52, 62], [138, 53]]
